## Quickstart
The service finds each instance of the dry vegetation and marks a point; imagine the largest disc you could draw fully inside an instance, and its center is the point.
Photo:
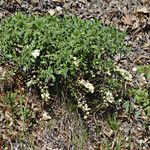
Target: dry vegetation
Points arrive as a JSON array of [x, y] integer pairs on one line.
[[99, 113]]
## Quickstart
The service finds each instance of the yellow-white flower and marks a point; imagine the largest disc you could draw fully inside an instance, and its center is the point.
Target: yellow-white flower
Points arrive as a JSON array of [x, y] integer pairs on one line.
[[45, 95], [29, 83], [125, 74], [75, 61], [87, 85], [109, 97], [36, 53]]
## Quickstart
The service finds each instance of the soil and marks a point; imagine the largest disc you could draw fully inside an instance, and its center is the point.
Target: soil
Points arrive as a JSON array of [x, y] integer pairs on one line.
[[132, 16]]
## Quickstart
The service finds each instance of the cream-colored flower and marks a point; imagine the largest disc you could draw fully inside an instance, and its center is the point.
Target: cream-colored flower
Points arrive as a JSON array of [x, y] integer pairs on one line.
[[109, 97], [36, 53], [87, 113], [29, 83], [76, 63], [85, 117], [45, 95], [82, 82], [74, 58], [87, 85], [125, 74]]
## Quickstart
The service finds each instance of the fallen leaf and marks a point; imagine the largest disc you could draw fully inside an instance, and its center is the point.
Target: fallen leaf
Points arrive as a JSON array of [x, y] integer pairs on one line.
[[34, 2], [127, 20], [147, 43], [18, 2], [59, 1], [136, 25], [145, 1], [108, 132], [144, 10], [45, 116], [1, 70], [132, 147], [142, 80]]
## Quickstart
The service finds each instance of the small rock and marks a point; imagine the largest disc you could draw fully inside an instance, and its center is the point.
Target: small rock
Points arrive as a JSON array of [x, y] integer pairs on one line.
[[134, 69]]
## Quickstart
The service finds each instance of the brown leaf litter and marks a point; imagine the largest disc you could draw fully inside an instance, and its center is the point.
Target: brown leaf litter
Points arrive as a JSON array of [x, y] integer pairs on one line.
[[127, 15]]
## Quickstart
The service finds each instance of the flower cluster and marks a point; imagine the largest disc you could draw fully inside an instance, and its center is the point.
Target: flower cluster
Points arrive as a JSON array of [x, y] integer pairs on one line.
[[124, 73], [45, 93], [75, 61], [36, 53], [83, 105], [44, 89], [108, 97], [87, 85], [32, 81]]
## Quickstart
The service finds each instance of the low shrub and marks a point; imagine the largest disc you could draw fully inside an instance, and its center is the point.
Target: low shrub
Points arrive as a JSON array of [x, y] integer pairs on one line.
[[141, 98], [66, 57]]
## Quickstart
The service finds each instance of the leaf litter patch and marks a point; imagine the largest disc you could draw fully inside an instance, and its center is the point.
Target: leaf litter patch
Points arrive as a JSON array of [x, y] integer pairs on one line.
[[134, 17]]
